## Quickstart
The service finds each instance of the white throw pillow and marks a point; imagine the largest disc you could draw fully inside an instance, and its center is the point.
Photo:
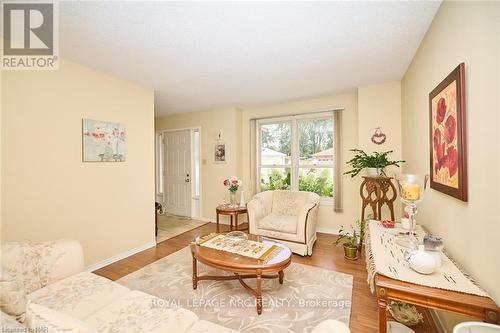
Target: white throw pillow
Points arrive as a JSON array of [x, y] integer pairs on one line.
[[39, 317], [12, 298]]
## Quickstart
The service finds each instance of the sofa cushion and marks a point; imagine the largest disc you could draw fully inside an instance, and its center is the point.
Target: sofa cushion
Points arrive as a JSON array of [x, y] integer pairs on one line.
[[289, 202], [137, 312], [39, 317], [10, 324], [12, 297], [19, 262], [203, 326], [37, 264], [280, 223], [79, 295]]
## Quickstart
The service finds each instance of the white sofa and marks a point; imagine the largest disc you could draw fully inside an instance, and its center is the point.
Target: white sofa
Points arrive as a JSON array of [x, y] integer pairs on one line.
[[289, 216], [52, 294], [63, 298]]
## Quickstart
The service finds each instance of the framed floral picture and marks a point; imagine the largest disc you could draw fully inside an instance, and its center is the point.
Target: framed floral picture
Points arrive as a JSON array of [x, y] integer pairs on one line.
[[448, 148], [220, 152], [103, 141]]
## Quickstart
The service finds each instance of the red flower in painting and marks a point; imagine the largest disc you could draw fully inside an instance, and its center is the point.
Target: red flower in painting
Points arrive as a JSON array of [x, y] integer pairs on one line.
[[450, 127], [437, 138], [452, 160], [441, 110], [439, 149]]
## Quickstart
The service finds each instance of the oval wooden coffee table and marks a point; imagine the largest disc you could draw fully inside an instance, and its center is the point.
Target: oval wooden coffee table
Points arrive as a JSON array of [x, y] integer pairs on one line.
[[243, 267]]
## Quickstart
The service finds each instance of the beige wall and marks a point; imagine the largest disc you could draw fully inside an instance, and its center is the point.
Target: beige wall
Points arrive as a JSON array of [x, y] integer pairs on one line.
[[461, 32], [380, 106], [47, 191]]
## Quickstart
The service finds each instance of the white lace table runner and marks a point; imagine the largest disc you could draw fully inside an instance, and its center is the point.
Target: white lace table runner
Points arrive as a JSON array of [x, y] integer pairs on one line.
[[385, 257], [257, 250]]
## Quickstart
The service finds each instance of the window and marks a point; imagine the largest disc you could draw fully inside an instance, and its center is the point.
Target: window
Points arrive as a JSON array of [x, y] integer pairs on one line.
[[297, 153]]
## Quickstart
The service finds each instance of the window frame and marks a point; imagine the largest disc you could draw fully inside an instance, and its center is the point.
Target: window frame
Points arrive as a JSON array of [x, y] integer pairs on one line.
[[295, 164]]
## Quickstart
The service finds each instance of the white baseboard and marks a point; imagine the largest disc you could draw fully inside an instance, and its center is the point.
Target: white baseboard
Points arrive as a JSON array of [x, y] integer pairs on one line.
[[325, 230], [120, 256]]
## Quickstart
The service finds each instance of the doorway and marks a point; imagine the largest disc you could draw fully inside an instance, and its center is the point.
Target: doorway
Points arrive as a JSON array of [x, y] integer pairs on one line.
[[178, 172]]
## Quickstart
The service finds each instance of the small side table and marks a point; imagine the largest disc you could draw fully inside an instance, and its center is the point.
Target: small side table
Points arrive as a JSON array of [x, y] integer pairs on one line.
[[233, 215]]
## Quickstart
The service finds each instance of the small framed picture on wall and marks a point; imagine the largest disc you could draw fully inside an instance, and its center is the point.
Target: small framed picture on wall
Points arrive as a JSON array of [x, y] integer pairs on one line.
[[220, 152], [448, 144]]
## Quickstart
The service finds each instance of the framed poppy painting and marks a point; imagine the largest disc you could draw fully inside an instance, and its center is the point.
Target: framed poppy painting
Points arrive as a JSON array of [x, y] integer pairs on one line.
[[448, 149]]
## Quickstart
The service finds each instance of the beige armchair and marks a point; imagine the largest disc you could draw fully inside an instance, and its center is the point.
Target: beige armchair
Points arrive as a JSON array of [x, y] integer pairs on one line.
[[288, 216]]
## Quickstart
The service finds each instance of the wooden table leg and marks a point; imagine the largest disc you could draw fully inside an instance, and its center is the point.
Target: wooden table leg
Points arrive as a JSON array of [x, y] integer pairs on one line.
[[382, 315], [258, 292], [281, 275], [231, 222], [195, 274], [217, 222]]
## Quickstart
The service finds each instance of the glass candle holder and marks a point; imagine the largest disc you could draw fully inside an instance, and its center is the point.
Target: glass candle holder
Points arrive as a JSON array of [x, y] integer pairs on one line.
[[411, 193]]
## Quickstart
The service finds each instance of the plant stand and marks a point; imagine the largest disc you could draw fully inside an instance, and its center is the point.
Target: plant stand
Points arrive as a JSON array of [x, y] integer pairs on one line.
[[377, 192]]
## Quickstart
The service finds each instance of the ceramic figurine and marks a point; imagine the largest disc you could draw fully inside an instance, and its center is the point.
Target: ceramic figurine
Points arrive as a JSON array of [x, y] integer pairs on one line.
[[421, 261], [433, 243], [242, 199], [437, 257]]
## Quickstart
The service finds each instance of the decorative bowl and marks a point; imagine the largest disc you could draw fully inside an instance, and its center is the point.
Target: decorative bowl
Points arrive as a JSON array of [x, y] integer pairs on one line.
[[404, 313], [236, 238]]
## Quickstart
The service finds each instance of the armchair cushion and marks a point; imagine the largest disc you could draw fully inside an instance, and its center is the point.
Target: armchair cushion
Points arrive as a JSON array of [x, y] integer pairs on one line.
[[281, 223], [289, 216], [289, 202]]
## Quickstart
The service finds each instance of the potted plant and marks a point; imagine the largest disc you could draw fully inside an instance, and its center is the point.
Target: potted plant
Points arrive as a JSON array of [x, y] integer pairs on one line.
[[350, 242], [374, 163], [362, 225]]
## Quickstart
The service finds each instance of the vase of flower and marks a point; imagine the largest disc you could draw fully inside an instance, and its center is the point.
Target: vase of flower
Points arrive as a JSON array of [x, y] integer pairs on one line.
[[232, 199], [232, 185]]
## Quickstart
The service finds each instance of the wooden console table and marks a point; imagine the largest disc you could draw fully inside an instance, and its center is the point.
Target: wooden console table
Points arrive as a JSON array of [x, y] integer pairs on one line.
[[383, 255], [388, 289], [377, 192]]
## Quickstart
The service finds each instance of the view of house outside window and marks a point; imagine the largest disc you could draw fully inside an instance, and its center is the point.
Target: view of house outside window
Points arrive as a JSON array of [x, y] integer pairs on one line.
[[296, 153]]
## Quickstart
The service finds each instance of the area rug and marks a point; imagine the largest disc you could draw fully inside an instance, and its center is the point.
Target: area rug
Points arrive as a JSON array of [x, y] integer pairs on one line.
[[308, 295], [171, 225]]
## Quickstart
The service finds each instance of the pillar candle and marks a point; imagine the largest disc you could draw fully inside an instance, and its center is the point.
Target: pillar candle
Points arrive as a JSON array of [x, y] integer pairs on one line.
[[411, 192]]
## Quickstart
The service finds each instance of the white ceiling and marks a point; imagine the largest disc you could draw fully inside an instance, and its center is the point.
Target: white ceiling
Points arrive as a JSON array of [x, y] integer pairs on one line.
[[207, 55]]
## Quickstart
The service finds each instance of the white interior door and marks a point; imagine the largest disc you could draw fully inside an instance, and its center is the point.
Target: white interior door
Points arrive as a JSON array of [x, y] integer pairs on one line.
[[177, 176]]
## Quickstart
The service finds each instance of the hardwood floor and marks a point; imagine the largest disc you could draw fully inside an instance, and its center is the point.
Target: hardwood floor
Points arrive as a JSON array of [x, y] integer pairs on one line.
[[364, 317]]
